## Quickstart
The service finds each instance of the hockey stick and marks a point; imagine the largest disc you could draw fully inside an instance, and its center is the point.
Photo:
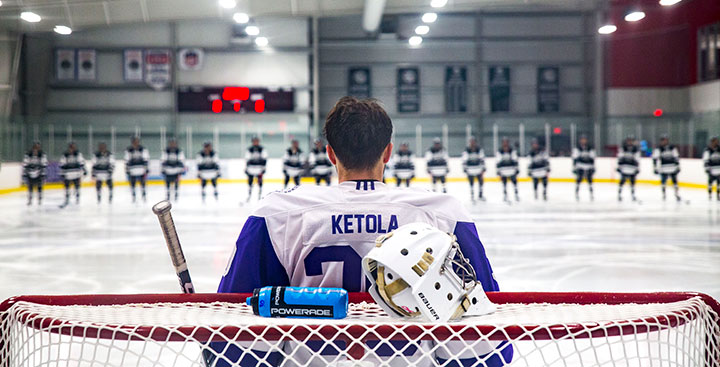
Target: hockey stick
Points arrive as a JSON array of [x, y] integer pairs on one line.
[[162, 210]]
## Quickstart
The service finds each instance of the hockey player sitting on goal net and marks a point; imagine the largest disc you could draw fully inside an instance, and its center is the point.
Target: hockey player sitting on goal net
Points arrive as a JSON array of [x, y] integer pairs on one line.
[[316, 236]]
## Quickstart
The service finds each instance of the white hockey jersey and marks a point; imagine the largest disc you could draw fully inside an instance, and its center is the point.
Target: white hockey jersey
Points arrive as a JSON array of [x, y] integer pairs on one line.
[[316, 236]]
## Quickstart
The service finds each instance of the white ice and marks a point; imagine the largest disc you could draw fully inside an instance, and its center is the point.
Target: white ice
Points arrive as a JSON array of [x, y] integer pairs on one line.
[[559, 245]]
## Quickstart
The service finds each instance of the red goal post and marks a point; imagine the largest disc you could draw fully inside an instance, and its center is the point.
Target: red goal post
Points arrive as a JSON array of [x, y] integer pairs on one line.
[[678, 328]]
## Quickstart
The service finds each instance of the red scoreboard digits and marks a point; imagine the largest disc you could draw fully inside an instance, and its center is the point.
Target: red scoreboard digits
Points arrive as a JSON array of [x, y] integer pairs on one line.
[[235, 99]]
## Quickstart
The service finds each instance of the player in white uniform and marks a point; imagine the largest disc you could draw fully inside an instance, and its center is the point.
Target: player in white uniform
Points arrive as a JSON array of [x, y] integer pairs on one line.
[[628, 165], [293, 163], [506, 161], [437, 163], [173, 165], [539, 168], [72, 169], [473, 161], [320, 165], [403, 165], [34, 170], [208, 165], [103, 165], [136, 166], [666, 160], [256, 160], [583, 166], [711, 161], [316, 236]]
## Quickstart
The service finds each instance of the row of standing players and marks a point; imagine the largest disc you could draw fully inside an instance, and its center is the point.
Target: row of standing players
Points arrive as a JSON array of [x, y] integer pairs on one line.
[[72, 165]]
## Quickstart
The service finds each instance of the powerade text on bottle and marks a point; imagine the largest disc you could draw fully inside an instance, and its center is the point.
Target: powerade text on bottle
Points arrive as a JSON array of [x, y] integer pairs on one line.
[[303, 302]]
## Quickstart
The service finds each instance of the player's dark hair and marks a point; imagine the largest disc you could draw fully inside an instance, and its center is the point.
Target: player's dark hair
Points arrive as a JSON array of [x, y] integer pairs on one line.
[[358, 130]]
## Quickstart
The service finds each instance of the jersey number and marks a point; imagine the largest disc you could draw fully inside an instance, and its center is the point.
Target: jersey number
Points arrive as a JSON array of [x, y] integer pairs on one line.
[[352, 272]]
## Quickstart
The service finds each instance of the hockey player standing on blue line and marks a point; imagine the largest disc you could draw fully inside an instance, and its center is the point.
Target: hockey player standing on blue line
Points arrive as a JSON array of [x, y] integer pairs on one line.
[[628, 165], [34, 170], [473, 160], [316, 236], [711, 161], [506, 161], [403, 165], [320, 165], [437, 164], [136, 166], [173, 165], [666, 161], [72, 169], [293, 163], [539, 168], [103, 165], [255, 162], [583, 165]]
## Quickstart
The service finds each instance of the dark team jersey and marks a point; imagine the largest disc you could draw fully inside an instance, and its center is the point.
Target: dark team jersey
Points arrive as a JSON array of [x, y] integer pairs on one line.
[[103, 162], [711, 160], [584, 158], [629, 160], [72, 165], [292, 158], [34, 164], [666, 159], [403, 160], [320, 164], [539, 163], [136, 160], [436, 157]]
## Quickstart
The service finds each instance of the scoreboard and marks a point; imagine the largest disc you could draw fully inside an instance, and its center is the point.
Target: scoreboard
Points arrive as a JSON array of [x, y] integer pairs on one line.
[[235, 99]]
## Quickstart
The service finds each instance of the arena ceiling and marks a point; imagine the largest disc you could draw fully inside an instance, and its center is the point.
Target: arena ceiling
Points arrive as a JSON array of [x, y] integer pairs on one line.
[[80, 14]]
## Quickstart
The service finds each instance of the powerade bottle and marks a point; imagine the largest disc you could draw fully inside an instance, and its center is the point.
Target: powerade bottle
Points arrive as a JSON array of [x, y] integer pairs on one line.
[[299, 302]]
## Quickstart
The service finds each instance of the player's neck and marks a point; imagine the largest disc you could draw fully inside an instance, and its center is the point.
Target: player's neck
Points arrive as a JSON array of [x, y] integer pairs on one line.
[[360, 175]]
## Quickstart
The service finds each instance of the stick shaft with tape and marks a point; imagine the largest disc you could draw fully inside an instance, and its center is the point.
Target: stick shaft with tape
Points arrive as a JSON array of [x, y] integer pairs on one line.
[[162, 210]]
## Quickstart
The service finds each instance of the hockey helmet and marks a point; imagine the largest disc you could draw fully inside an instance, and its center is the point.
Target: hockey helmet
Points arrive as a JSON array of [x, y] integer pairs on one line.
[[418, 271]]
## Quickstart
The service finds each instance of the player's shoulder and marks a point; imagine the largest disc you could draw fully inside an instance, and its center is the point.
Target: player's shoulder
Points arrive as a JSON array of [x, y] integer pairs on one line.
[[296, 198], [438, 204]]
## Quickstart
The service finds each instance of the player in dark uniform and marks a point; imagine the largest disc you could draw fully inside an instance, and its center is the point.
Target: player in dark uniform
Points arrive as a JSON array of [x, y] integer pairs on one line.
[[72, 169], [403, 165], [103, 165], [293, 163], [256, 158], [506, 161], [173, 165], [34, 170], [136, 166], [320, 165], [628, 165], [437, 164], [711, 161], [208, 165], [583, 165], [473, 160], [539, 168], [666, 161]]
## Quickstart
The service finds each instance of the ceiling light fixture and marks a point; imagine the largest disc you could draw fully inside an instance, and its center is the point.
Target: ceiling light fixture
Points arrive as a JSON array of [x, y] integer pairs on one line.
[[241, 18], [422, 29], [61, 29], [29, 16], [415, 40], [252, 30], [261, 41], [228, 4], [607, 29], [634, 16], [669, 2], [438, 3], [429, 17]]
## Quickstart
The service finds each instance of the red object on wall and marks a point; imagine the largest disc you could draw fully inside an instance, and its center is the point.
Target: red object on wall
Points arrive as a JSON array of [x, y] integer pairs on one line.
[[660, 50], [217, 106], [557, 131], [658, 112], [259, 106]]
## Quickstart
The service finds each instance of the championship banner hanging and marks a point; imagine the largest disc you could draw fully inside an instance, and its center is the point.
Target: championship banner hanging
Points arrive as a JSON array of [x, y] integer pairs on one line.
[[456, 89], [548, 89], [191, 58], [157, 68], [133, 65], [86, 60], [65, 64], [499, 85], [359, 82], [408, 89]]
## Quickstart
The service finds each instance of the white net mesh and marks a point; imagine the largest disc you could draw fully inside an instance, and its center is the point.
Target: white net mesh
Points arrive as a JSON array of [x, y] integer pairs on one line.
[[679, 333]]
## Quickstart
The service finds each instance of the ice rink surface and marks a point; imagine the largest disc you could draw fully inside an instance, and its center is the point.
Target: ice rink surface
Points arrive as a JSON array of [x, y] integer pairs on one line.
[[559, 245]]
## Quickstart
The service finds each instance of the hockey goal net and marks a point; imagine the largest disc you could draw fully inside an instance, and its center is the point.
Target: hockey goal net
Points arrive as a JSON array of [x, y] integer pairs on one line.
[[537, 329]]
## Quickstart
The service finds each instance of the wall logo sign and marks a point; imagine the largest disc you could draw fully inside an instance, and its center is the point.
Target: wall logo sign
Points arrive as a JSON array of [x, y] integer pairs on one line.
[[359, 82], [408, 89], [456, 89], [548, 89], [157, 68], [86, 65], [191, 58], [499, 85], [65, 62], [133, 63]]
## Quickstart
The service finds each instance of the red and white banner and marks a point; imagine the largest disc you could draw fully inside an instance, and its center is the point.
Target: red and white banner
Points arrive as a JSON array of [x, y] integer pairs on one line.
[[191, 58], [65, 64], [157, 68], [86, 60], [133, 65]]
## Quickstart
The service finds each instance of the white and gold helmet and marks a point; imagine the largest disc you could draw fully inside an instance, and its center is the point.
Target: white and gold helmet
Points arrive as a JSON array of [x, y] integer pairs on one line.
[[419, 271]]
